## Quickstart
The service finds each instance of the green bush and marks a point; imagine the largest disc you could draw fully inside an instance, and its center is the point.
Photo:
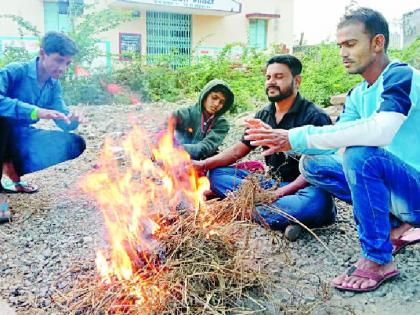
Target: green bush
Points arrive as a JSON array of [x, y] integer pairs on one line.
[[323, 74], [152, 82], [86, 90], [14, 54], [410, 54], [93, 90], [161, 81]]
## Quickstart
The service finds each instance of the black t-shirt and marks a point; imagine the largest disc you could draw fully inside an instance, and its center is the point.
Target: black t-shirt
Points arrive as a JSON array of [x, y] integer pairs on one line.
[[303, 112]]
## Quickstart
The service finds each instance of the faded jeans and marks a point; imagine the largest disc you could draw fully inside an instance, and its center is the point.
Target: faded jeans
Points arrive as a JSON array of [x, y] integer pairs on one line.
[[383, 189], [311, 205]]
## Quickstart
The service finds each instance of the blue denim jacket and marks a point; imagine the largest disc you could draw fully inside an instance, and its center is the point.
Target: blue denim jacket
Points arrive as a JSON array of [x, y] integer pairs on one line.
[[20, 94]]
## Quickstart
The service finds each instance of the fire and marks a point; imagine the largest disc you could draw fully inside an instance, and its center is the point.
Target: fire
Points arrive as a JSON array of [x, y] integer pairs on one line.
[[135, 194]]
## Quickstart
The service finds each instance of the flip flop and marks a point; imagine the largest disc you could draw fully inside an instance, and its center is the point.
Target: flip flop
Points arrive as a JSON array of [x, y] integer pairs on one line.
[[367, 274], [4, 213], [23, 187], [410, 237]]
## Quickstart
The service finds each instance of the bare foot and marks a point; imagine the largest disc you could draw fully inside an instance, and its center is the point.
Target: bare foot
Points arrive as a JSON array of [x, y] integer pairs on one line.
[[399, 231], [356, 282], [9, 170]]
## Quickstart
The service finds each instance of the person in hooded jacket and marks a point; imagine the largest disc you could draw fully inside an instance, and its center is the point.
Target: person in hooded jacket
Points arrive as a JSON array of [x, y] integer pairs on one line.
[[200, 129]]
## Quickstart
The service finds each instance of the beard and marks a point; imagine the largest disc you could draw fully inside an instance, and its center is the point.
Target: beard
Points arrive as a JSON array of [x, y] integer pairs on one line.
[[360, 70], [282, 94]]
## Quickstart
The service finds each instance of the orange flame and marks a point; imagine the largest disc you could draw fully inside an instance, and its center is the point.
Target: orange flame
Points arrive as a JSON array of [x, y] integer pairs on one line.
[[133, 196]]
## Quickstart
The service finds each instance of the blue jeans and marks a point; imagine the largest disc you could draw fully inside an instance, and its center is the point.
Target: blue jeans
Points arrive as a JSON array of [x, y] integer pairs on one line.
[[311, 205], [383, 189], [31, 149]]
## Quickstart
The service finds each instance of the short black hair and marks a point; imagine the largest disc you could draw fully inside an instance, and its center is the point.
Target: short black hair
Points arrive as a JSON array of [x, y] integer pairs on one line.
[[292, 62], [55, 42], [373, 21]]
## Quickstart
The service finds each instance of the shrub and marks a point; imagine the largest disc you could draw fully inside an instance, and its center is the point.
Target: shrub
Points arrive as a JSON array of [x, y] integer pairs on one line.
[[410, 54], [323, 74], [14, 54], [86, 90], [161, 81]]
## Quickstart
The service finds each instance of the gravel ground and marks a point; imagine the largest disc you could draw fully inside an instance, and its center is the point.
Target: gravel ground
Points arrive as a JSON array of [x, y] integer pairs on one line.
[[55, 233]]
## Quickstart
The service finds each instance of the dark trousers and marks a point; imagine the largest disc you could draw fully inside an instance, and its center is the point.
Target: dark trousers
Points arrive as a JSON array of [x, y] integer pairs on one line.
[[31, 149]]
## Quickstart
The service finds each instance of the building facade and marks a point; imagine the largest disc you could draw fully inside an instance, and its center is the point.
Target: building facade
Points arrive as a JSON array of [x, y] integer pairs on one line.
[[395, 34], [411, 26], [184, 27]]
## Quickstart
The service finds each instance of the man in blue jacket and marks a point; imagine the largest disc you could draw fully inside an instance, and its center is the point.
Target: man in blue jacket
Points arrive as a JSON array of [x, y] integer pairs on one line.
[[31, 91], [379, 173]]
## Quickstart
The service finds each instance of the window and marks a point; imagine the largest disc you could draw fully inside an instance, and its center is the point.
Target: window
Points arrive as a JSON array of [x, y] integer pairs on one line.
[[258, 33], [168, 35], [56, 14], [56, 17], [63, 7]]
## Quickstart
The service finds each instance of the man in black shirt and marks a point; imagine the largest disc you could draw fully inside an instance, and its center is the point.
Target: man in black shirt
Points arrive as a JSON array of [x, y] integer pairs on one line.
[[288, 109]]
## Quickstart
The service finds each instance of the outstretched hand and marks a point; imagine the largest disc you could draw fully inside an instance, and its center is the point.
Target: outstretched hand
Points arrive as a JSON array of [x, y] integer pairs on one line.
[[276, 139], [76, 116], [43, 113], [252, 123]]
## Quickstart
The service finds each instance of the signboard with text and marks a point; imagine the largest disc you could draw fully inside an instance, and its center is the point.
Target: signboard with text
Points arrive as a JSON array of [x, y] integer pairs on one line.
[[220, 5], [130, 44]]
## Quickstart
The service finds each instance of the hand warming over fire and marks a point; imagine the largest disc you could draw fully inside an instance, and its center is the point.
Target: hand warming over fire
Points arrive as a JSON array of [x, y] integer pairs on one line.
[[199, 166], [276, 139], [77, 116], [255, 123], [43, 113]]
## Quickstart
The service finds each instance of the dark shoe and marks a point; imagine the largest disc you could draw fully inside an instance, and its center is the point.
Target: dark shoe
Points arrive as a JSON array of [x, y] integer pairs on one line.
[[292, 232]]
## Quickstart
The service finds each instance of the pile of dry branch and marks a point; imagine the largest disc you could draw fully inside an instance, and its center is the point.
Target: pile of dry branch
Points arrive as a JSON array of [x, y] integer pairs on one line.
[[203, 265]]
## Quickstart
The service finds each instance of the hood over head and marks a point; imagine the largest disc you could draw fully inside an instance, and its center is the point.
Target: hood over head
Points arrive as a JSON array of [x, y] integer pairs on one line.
[[217, 86]]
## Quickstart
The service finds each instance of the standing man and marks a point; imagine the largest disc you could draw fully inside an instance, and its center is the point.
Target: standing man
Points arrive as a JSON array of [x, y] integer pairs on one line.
[[287, 109], [28, 92], [380, 170]]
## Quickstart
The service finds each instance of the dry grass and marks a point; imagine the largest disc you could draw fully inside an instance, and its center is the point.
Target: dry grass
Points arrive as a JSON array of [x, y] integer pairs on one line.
[[208, 267]]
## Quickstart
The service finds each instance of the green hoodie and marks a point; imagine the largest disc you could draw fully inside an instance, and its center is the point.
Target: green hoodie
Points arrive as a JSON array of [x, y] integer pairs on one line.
[[202, 141]]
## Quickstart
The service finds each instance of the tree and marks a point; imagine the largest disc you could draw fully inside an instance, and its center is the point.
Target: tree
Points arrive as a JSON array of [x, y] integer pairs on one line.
[[85, 25], [84, 28]]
